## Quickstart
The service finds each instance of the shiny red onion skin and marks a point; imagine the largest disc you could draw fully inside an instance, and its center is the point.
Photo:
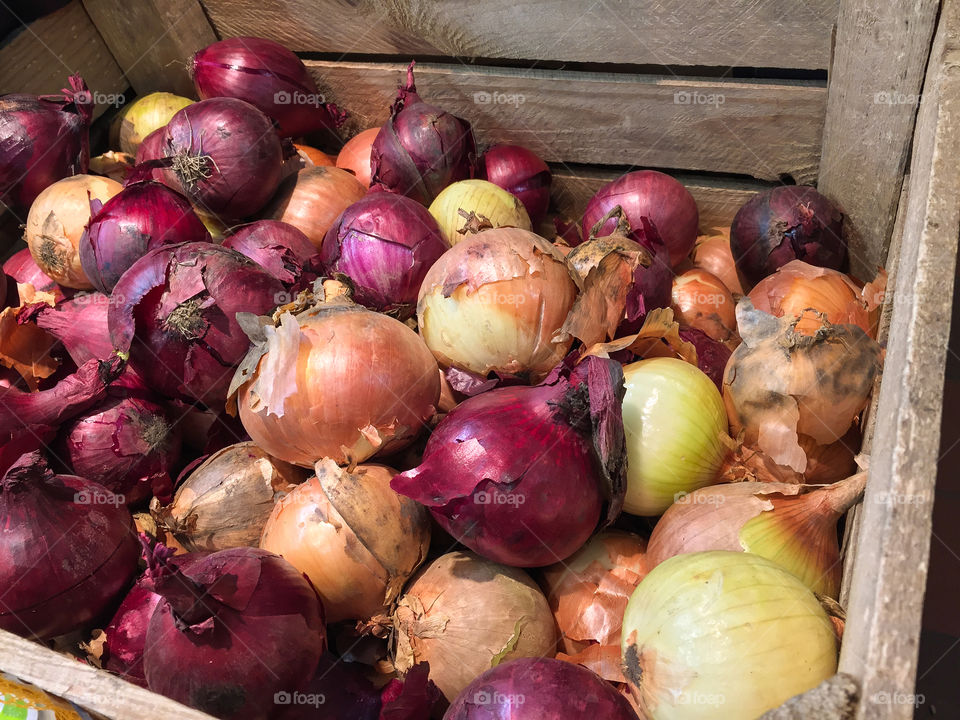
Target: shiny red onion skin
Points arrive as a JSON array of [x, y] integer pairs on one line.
[[281, 249], [648, 193], [268, 76], [385, 243], [521, 172], [712, 356], [792, 222]]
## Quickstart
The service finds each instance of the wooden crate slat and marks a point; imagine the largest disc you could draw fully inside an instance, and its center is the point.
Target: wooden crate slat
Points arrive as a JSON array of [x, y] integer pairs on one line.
[[760, 129], [744, 33]]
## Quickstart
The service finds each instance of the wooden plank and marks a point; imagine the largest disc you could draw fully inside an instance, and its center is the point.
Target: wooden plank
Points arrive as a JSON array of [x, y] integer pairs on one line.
[[761, 129], [153, 40], [735, 33], [41, 57], [880, 56], [884, 613]]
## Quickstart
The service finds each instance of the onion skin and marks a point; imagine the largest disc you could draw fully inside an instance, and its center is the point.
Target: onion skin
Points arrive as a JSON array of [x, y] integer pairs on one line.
[[713, 254], [520, 172], [454, 203], [712, 356], [355, 155], [80, 323], [281, 249], [701, 301], [144, 116], [33, 285]]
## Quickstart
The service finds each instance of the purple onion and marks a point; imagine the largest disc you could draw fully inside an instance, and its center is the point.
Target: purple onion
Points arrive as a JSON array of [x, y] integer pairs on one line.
[[712, 356], [280, 249], [521, 172]]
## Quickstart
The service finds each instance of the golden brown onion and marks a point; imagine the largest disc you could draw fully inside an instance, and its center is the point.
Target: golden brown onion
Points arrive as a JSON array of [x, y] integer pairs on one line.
[[355, 155], [712, 253], [702, 301]]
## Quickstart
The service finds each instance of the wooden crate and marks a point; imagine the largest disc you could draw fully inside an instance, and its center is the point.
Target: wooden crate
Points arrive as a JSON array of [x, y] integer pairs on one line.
[[730, 98]]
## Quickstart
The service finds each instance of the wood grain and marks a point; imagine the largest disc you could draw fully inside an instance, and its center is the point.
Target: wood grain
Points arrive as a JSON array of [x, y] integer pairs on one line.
[[761, 129], [745, 33], [878, 66]]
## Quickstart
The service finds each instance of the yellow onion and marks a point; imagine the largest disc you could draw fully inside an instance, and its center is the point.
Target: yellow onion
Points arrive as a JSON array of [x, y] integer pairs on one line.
[[142, 117], [452, 207], [793, 525], [701, 301], [464, 614], [226, 500], [723, 635], [781, 383], [712, 253], [56, 222], [675, 425], [355, 539], [495, 302]]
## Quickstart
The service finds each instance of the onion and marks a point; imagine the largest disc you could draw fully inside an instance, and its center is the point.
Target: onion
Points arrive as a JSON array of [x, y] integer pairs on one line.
[[355, 155], [80, 323], [225, 155], [114, 164], [42, 140], [495, 303], [463, 615], [520, 172], [143, 116], [312, 157], [712, 356], [280, 249], [791, 222], [56, 222], [702, 301], [238, 626], [141, 217], [539, 689], [269, 77], [712, 253], [54, 585], [520, 474], [825, 463], [421, 149], [346, 691], [312, 200], [385, 244], [33, 285], [174, 312], [675, 426], [780, 383], [651, 194], [355, 539], [453, 207], [723, 634], [335, 380]]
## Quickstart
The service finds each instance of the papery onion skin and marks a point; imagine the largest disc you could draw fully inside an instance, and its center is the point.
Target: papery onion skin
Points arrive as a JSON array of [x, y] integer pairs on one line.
[[746, 656], [142, 117], [31, 281], [454, 203], [712, 356], [281, 249], [80, 323], [355, 155], [520, 172], [700, 300], [712, 253]]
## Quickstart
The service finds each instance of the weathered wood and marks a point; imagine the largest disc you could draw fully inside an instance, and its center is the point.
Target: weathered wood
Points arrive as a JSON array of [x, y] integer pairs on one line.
[[152, 40], [44, 54], [881, 53], [744, 33], [761, 129], [886, 598]]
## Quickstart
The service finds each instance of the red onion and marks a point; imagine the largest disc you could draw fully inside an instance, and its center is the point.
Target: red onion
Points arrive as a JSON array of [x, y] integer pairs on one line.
[[385, 244], [712, 355], [80, 323], [520, 172], [539, 689], [175, 311], [514, 474], [54, 584], [31, 280], [422, 148], [281, 249], [651, 194], [269, 77], [141, 217], [232, 632], [226, 156], [42, 139], [146, 166], [792, 222]]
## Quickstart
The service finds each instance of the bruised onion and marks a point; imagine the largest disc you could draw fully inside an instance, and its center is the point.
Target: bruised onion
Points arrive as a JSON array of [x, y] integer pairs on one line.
[[456, 203], [142, 117], [355, 155], [520, 172], [280, 249], [54, 585], [713, 254], [702, 301], [712, 356], [463, 614]]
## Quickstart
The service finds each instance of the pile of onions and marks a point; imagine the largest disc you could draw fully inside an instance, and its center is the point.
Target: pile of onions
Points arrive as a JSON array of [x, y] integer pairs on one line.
[[225, 501], [52, 587], [225, 155], [385, 244], [42, 140], [653, 195], [312, 200], [335, 380], [175, 311], [762, 637], [280, 249], [520, 172], [422, 148], [357, 540], [141, 217], [539, 689], [495, 302], [453, 207], [791, 222], [712, 253], [463, 615], [792, 525], [56, 222], [675, 426], [701, 301], [355, 155], [143, 116], [712, 356], [488, 482], [780, 382], [268, 76]]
